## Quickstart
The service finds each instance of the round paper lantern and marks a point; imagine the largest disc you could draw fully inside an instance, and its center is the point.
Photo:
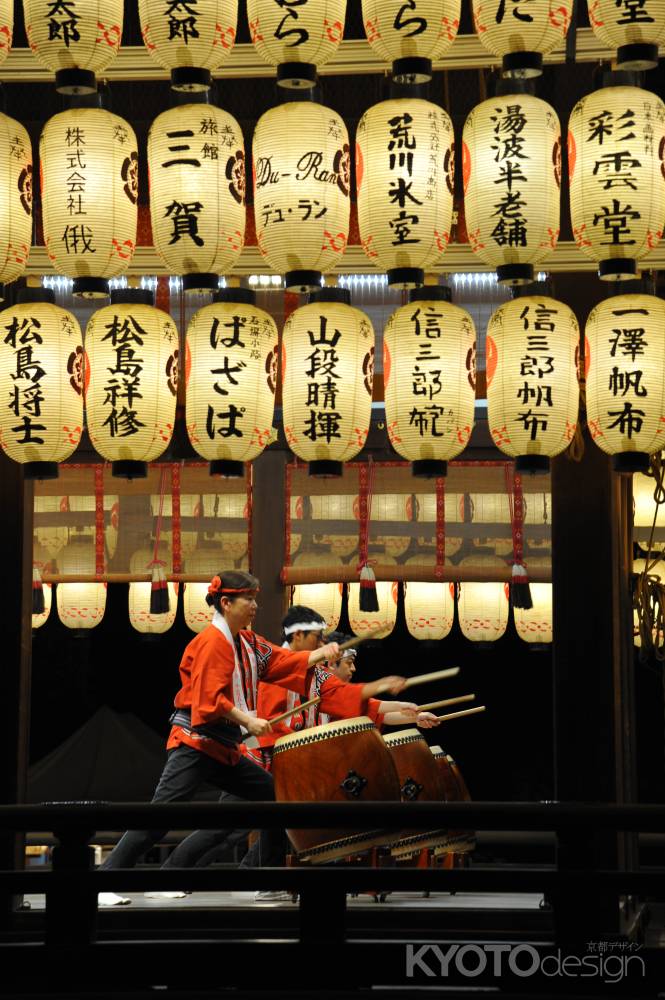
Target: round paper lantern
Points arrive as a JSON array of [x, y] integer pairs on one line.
[[429, 608], [405, 183], [534, 624], [389, 507], [385, 617], [634, 27], [230, 374], [521, 33], [196, 164], [511, 159], [6, 28], [204, 559], [327, 377], [15, 196], [41, 383], [302, 178], [532, 389], [90, 190], [52, 535], [296, 37], [74, 40], [453, 517], [131, 381], [429, 374], [190, 38], [483, 607], [616, 146], [140, 616], [411, 34], [326, 598], [625, 378], [336, 507], [87, 505], [80, 605], [41, 559], [644, 501], [488, 511]]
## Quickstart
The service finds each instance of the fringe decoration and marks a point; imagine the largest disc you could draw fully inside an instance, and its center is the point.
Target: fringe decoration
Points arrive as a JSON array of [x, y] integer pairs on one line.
[[37, 591], [159, 591], [368, 600]]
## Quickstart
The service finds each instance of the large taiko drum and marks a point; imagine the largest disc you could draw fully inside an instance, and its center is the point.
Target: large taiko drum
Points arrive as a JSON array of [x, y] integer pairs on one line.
[[420, 781], [460, 841], [344, 761]]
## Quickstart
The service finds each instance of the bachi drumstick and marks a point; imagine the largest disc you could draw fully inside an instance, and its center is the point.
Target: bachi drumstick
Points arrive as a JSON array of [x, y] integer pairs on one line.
[[446, 701], [458, 715]]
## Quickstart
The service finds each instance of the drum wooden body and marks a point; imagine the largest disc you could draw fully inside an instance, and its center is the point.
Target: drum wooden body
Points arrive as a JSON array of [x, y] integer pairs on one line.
[[420, 781], [460, 841], [344, 761]]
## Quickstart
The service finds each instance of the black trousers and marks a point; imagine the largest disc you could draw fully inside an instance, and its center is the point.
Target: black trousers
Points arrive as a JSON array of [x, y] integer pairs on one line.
[[185, 770]]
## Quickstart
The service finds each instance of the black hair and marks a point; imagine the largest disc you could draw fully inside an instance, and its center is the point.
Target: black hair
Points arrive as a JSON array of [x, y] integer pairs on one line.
[[338, 637], [230, 580], [299, 613]]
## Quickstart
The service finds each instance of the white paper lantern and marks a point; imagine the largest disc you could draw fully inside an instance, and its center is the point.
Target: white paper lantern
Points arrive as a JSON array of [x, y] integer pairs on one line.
[[190, 38], [140, 616], [385, 617], [41, 559], [326, 598], [483, 607], [80, 605], [411, 34], [296, 37], [521, 33], [429, 608], [635, 28], [74, 40], [15, 193], [205, 559]]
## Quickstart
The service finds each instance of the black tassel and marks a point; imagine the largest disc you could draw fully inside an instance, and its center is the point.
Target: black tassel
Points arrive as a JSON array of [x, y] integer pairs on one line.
[[37, 591], [159, 591], [520, 589], [368, 599]]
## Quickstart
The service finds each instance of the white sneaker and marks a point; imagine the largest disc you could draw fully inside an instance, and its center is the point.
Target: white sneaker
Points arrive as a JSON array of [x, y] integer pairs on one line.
[[112, 899], [273, 896], [166, 895]]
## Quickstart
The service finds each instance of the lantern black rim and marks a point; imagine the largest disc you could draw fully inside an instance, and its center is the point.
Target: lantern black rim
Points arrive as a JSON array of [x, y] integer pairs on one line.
[[412, 70], [200, 282], [627, 462], [91, 288], [132, 297], [429, 468], [431, 293], [326, 294], [75, 81], [40, 470], [522, 65], [227, 468], [532, 463], [325, 467], [302, 281], [190, 78], [3, 291], [617, 269], [406, 277], [237, 296], [126, 469], [296, 75], [618, 78], [637, 57], [29, 295], [514, 274]]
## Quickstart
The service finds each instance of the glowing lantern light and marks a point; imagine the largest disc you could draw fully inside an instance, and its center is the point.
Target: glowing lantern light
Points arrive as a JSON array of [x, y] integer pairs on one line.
[[429, 608], [335, 507], [40, 436], [231, 360], [511, 160], [302, 178], [189, 39], [532, 389], [89, 223], [296, 38], [326, 598], [521, 33], [139, 594], [130, 434], [625, 381], [616, 144], [429, 420], [644, 501], [207, 559], [453, 517], [386, 595], [534, 624], [51, 536], [326, 429], [80, 605], [487, 512], [15, 196], [74, 40], [41, 559], [6, 28], [634, 29], [389, 507], [411, 35], [405, 183], [483, 607], [196, 164]]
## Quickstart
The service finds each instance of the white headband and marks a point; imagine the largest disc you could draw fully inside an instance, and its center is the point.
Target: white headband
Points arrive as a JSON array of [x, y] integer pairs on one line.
[[305, 627]]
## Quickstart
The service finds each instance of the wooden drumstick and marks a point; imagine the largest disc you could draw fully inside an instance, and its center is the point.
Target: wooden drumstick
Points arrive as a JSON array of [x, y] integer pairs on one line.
[[446, 701], [294, 711], [438, 675], [458, 715], [350, 643]]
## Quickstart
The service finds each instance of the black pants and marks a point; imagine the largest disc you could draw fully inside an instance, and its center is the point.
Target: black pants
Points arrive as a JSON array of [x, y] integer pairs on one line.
[[185, 770]]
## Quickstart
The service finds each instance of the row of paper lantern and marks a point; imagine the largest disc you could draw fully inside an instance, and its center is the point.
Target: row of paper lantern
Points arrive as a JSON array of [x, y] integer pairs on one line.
[[75, 41], [302, 184], [130, 369]]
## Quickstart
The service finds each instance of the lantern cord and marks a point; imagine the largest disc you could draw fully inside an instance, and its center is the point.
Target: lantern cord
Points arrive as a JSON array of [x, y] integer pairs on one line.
[[649, 592], [159, 591]]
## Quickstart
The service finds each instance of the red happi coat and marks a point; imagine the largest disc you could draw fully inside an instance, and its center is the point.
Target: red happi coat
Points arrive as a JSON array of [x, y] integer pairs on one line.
[[215, 679]]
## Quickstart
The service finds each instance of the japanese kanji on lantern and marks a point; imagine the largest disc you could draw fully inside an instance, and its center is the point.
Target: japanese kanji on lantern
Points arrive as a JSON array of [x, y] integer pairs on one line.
[[90, 189], [429, 375], [616, 150], [230, 377], [190, 38], [131, 381], [327, 378], [532, 389], [41, 383], [196, 165], [15, 198], [411, 33], [521, 32], [511, 161], [625, 378], [405, 183], [74, 39], [296, 36], [634, 28], [302, 178]]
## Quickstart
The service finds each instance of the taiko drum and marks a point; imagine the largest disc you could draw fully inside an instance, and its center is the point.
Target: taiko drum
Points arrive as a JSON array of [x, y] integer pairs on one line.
[[420, 781], [460, 841]]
